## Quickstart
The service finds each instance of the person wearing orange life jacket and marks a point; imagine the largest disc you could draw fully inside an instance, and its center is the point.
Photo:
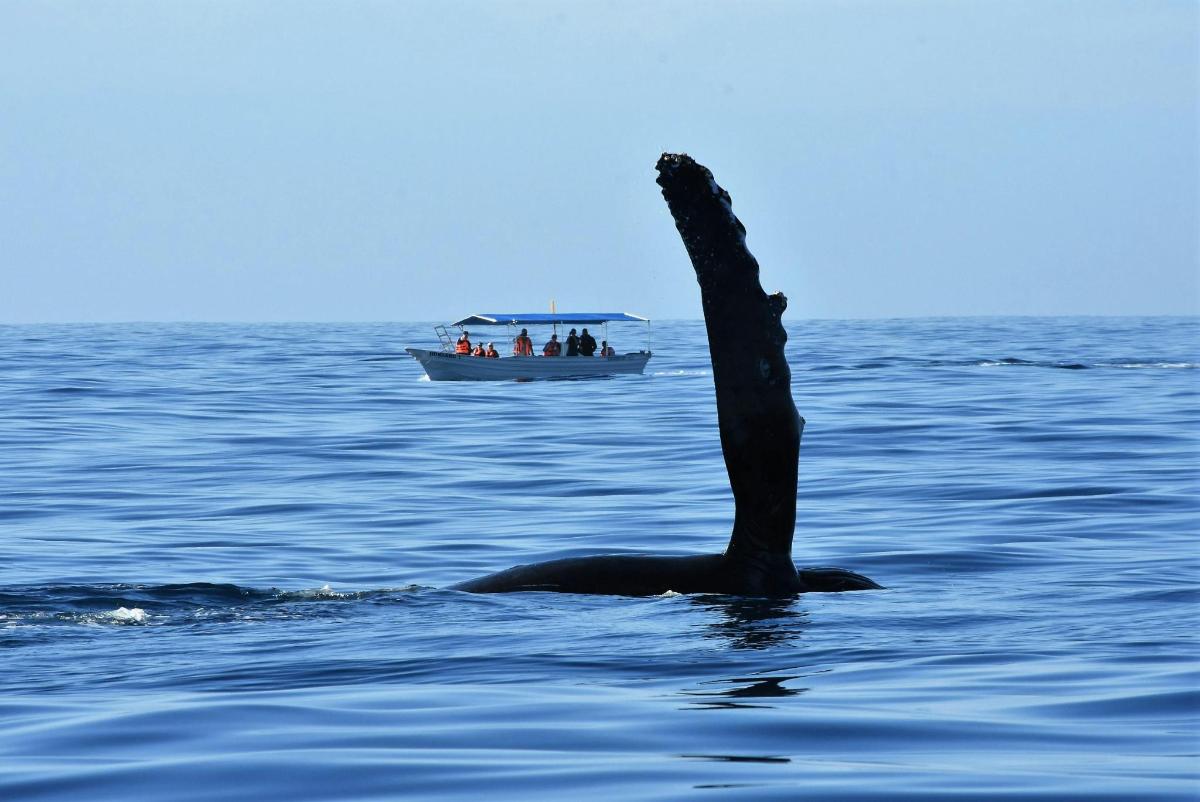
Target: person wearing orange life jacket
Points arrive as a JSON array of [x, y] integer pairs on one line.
[[463, 346], [523, 346], [553, 347], [606, 349], [491, 352], [478, 350]]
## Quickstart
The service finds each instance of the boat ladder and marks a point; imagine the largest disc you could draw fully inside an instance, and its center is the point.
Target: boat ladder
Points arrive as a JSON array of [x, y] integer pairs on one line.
[[444, 336]]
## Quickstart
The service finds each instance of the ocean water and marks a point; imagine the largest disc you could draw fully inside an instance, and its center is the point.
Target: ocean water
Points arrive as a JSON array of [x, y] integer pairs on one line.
[[221, 548]]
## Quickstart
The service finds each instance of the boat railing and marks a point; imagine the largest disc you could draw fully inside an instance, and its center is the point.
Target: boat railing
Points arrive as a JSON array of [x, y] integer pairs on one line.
[[444, 337]]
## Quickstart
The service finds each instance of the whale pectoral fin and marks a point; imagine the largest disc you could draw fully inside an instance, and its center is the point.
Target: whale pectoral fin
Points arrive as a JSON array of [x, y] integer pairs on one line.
[[834, 580], [760, 428]]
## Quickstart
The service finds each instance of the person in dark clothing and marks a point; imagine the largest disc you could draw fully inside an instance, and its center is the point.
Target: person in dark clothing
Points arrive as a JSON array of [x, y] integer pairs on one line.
[[572, 344], [587, 344]]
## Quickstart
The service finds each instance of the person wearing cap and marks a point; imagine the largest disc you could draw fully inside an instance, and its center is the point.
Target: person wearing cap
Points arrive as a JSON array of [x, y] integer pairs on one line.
[[463, 346], [523, 346], [491, 352], [553, 347], [478, 351]]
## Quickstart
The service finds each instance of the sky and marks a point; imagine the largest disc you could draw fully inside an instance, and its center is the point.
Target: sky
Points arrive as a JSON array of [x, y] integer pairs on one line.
[[385, 161]]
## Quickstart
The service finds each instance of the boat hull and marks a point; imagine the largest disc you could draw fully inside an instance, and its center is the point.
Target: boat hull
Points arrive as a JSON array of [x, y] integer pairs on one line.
[[441, 366]]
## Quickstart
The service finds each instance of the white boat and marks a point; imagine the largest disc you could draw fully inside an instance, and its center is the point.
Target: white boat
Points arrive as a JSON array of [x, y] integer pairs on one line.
[[445, 365]]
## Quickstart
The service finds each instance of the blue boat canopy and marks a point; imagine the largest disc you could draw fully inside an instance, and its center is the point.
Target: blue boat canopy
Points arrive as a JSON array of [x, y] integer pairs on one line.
[[547, 318]]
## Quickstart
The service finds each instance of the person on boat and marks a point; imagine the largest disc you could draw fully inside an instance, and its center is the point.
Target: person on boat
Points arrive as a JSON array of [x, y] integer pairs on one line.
[[478, 350], [523, 346], [553, 347], [463, 346], [491, 352], [572, 344], [587, 344], [606, 349]]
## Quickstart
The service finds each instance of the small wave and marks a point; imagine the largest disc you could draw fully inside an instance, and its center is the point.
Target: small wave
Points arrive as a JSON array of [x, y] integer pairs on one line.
[[69, 390], [121, 616], [323, 592], [1064, 492], [127, 616], [1012, 361], [1171, 704], [97, 605], [1003, 362], [682, 373]]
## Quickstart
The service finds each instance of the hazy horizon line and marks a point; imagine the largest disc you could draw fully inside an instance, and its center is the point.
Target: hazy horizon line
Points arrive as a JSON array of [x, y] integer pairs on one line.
[[433, 322]]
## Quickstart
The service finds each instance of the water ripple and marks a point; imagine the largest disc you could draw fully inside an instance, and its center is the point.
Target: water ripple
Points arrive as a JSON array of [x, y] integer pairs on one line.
[[224, 547]]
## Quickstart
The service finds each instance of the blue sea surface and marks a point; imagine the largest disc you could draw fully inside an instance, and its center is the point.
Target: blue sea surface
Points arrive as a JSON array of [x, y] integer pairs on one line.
[[222, 549]]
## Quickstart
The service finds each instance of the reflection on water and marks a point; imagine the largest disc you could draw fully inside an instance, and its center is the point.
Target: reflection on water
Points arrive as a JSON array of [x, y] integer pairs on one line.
[[741, 759], [757, 688], [744, 688], [753, 623]]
